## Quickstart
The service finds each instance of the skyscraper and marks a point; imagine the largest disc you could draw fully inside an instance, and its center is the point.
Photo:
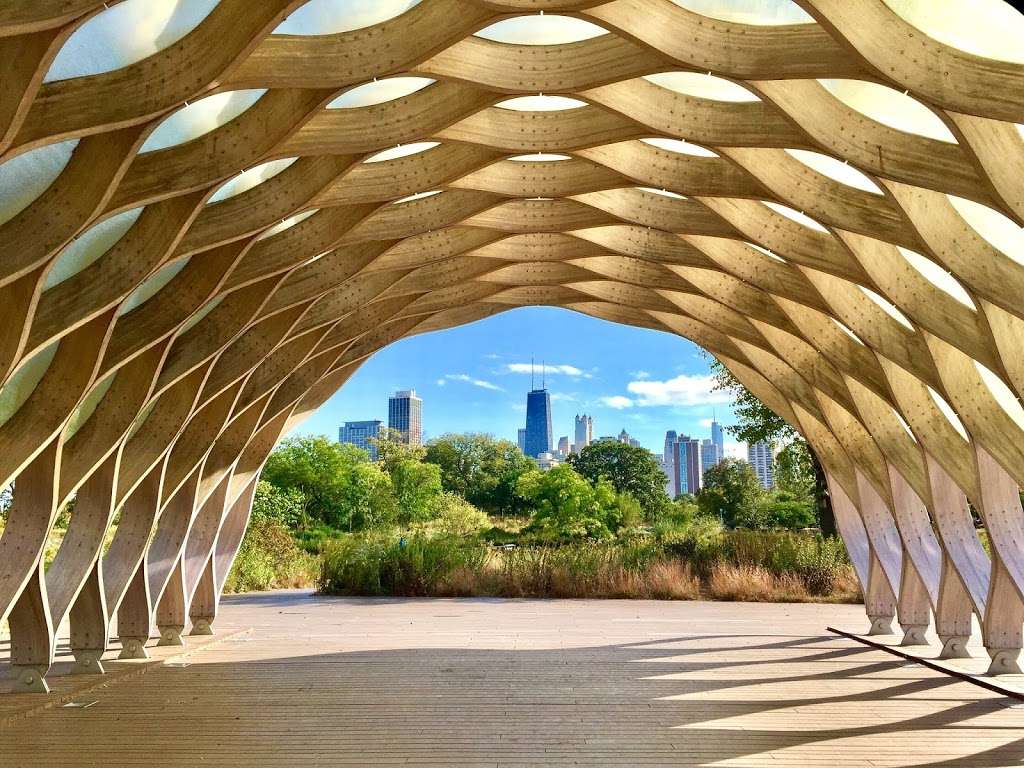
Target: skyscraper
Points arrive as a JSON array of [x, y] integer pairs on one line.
[[521, 439], [584, 432], [538, 422], [563, 446], [668, 464], [708, 455], [405, 416], [718, 438], [687, 464], [761, 457], [359, 434]]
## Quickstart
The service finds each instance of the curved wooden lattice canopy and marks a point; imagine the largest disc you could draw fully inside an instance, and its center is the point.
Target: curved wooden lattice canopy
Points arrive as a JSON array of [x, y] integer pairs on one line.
[[200, 242]]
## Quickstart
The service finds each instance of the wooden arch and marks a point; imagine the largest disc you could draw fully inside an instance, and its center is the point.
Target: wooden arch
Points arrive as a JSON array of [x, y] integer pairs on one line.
[[153, 381]]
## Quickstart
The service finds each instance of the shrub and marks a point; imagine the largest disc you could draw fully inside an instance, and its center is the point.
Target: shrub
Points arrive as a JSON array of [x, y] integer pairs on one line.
[[454, 516], [269, 559]]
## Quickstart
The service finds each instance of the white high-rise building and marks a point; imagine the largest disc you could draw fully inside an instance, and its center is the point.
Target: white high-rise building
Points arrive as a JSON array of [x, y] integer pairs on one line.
[[584, 432], [761, 457], [668, 464]]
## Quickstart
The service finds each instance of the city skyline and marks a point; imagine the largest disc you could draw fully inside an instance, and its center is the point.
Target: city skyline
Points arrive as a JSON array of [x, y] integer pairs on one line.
[[629, 378]]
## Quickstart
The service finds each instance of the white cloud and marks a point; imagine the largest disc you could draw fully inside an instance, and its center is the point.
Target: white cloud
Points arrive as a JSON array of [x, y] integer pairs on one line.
[[736, 450], [549, 369], [441, 382], [518, 407], [682, 390], [470, 380], [563, 396], [640, 375], [618, 402], [706, 423]]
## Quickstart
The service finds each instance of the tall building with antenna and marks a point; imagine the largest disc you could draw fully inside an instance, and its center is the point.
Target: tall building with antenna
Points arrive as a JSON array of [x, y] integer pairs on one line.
[[538, 417]]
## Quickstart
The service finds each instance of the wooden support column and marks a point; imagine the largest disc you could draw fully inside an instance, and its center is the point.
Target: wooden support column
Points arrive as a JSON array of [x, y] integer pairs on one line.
[[886, 574], [963, 587], [134, 615], [999, 504], [172, 609], [89, 624]]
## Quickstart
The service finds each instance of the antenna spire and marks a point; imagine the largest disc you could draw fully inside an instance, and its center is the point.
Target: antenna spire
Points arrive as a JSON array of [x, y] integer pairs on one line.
[[543, 380], [533, 383]]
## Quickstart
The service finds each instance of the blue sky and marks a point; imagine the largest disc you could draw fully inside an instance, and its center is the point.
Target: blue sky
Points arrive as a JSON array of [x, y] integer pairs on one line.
[[474, 379]]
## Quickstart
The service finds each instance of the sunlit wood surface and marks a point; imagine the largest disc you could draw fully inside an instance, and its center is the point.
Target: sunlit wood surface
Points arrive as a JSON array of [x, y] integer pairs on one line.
[[361, 682]]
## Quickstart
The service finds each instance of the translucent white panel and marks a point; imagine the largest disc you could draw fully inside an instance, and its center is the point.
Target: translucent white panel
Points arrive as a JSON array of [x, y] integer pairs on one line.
[[26, 177], [246, 180], [540, 157], [991, 28], [766, 252], [795, 215], [764, 12], [903, 423], [836, 170], [842, 327], [82, 413], [541, 103], [288, 223], [90, 246], [20, 386], [417, 196], [327, 17], [890, 107], [702, 86], [379, 92], [938, 276], [888, 307], [126, 33], [541, 29], [949, 413], [662, 192], [151, 286], [679, 146], [1020, 129], [141, 418], [1003, 395], [402, 150], [200, 117], [997, 229], [200, 313]]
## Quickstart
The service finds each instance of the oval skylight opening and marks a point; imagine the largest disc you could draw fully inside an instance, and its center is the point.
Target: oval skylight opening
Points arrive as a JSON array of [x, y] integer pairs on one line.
[[836, 170], [380, 92], [540, 157], [903, 423], [889, 107], [253, 177], [766, 252], [89, 247], [22, 383], [759, 12], [990, 28], [152, 286], [794, 215], [845, 329], [661, 192], [541, 29], [125, 33], [541, 103], [199, 314], [678, 146], [201, 117], [702, 86], [288, 223], [888, 307], [402, 150], [949, 413], [25, 177], [937, 276], [417, 196], [328, 17], [87, 407], [1002, 394], [998, 230]]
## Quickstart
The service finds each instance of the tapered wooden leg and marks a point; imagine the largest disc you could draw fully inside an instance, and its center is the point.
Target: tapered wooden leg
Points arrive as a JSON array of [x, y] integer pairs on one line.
[[171, 610], [134, 616], [31, 636], [1004, 622], [953, 613], [89, 624], [203, 608], [913, 607], [880, 599]]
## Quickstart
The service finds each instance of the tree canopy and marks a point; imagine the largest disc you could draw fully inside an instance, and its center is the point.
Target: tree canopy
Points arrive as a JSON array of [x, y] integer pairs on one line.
[[481, 469], [731, 493], [566, 506], [629, 469]]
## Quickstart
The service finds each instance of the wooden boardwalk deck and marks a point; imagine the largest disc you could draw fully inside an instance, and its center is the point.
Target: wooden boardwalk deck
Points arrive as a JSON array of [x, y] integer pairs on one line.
[[301, 681]]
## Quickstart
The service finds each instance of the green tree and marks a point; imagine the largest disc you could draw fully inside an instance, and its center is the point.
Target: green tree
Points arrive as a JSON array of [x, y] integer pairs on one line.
[[782, 510], [286, 506], [392, 451], [321, 470], [416, 486], [454, 516], [629, 469], [794, 471], [369, 499], [757, 422], [481, 469], [567, 507], [731, 493]]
